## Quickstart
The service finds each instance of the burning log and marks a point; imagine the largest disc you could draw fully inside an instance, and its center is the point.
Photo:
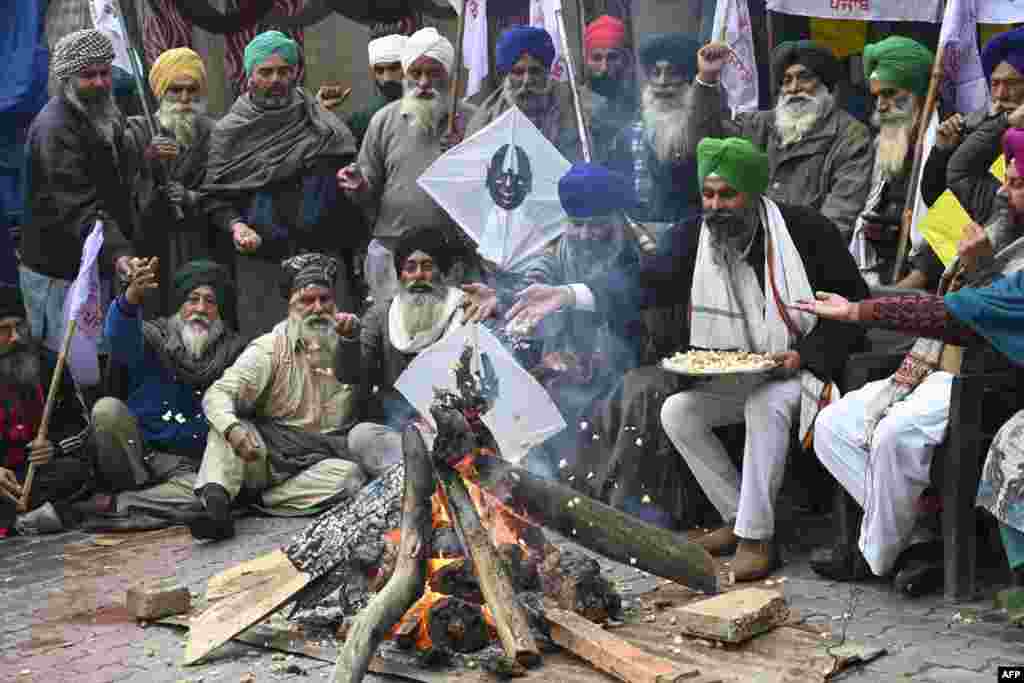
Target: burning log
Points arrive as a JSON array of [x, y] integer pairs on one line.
[[601, 528], [495, 582], [575, 583], [457, 579], [457, 625], [406, 583]]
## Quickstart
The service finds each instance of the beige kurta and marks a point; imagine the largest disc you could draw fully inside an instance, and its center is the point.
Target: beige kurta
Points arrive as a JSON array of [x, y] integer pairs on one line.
[[274, 380]]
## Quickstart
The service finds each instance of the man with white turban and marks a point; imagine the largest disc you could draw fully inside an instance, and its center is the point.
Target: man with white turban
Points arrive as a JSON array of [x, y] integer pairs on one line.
[[385, 56], [404, 138], [178, 81]]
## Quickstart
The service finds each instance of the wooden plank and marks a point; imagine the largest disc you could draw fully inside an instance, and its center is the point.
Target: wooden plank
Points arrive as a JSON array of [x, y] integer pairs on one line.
[[247, 575], [274, 586], [611, 654], [736, 616]]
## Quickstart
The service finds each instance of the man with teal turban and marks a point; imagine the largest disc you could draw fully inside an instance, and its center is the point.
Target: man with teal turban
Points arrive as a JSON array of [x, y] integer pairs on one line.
[[270, 180], [739, 269], [820, 155], [898, 70]]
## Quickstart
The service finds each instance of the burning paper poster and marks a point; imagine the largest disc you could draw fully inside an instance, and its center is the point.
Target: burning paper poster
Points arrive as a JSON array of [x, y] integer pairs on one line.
[[523, 414], [501, 187]]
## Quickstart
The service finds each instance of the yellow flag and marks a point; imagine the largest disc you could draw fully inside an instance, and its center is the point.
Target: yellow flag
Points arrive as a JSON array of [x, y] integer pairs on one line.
[[843, 37], [944, 223]]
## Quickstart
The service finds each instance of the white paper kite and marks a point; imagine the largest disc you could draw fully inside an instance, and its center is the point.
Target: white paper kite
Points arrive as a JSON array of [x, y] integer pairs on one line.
[[523, 414], [501, 186]]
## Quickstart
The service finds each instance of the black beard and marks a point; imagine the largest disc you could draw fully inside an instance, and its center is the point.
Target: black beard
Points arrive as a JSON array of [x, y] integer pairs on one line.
[[606, 86], [19, 369]]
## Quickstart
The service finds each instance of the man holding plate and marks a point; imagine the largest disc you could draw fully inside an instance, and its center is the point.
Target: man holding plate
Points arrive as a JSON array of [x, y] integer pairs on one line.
[[741, 268]]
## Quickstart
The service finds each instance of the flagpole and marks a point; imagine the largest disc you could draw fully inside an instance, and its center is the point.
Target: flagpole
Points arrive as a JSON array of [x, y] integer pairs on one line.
[[44, 422], [453, 93], [930, 104]]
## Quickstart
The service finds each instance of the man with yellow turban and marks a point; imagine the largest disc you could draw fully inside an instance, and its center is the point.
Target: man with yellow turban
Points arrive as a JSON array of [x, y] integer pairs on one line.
[[739, 268], [270, 182], [178, 81], [898, 70]]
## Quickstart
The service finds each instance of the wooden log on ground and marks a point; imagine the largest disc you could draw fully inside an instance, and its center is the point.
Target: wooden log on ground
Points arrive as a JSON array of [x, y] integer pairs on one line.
[[407, 581], [457, 625], [611, 654], [574, 582], [491, 573], [157, 598], [735, 616], [601, 528]]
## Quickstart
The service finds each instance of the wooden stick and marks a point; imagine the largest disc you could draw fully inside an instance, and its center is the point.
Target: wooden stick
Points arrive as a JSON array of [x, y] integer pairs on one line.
[[406, 584], [931, 102], [492, 574], [601, 528], [453, 94], [44, 423]]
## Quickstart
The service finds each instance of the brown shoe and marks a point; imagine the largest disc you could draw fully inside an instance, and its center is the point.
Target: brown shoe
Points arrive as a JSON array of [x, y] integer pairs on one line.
[[754, 559], [718, 542]]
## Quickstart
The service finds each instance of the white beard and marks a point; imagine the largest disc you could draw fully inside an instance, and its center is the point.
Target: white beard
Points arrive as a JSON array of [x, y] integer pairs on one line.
[[181, 123], [892, 149], [195, 337], [421, 311], [320, 339], [103, 114], [795, 117], [665, 124], [426, 113]]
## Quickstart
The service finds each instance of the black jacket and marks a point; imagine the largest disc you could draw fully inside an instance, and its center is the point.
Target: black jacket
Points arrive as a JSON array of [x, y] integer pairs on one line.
[[666, 277], [72, 174]]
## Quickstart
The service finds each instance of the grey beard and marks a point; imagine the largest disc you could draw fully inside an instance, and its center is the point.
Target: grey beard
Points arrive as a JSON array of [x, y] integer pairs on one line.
[[729, 248], [795, 117], [195, 338], [527, 99], [665, 124], [421, 311], [20, 368], [892, 148], [426, 113], [102, 113], [181, 123], [319, 337]]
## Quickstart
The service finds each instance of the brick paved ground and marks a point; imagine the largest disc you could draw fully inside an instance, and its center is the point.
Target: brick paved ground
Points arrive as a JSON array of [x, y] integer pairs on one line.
[[62, 617]]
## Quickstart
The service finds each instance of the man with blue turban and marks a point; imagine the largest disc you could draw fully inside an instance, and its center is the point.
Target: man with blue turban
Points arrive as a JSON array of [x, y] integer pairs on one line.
[[966, 145], [739, 269], [523, 57], [270, 182], [656, 153], [820, 155]]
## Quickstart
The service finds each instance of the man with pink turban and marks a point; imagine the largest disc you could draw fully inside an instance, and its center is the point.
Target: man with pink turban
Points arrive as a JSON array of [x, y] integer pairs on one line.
[[609, 65]]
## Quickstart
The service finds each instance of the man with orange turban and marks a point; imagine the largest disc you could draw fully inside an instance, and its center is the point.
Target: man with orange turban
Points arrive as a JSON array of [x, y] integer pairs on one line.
[[178, 81], [610, 74]]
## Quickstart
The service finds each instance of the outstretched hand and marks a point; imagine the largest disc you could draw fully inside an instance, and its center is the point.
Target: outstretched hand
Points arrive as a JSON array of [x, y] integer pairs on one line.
[[479, 303], [828, 305], [535, 303]]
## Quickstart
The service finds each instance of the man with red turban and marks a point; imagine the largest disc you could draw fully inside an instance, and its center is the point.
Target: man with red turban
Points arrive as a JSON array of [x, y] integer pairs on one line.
[[610, 74]]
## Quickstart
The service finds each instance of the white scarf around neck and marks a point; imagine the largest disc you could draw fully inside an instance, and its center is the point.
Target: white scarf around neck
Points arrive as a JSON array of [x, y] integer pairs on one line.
[[444, 326]]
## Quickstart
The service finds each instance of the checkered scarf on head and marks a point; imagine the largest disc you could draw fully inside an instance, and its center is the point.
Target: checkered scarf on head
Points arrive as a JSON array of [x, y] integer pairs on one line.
[[76, 51], [308, 269]]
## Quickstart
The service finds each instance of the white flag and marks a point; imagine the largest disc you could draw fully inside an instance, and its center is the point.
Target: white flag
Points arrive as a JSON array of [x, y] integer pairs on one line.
[[543, 15], [1000, 11], [739, 77], [862, 10], [474, 43], [84, 304], [106, 19]]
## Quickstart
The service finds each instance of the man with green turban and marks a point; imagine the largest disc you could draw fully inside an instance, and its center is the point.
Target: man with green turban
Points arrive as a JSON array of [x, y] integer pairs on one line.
[[820, 155], [897, 70], [270, 181], [739, 269]]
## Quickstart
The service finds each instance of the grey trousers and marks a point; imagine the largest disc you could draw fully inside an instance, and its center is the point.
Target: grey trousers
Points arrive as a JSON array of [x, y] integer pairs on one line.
[[146, 481]]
